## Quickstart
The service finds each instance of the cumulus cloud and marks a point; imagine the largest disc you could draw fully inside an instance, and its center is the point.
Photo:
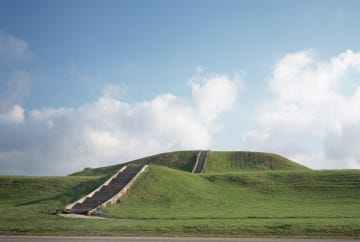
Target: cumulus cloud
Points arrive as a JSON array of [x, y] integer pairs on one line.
[[313, 105], [14, 115], [343, 144], [12, 93], [213, 94], [108, 131], [16, 86]]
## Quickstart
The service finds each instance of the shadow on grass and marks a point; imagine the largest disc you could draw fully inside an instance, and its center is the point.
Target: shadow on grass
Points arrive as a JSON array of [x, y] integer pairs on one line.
[[70, 195]]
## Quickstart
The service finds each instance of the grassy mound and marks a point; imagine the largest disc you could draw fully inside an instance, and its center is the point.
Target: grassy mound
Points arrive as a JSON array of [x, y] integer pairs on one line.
[[168, 193], [216, 162], [181, 160], [171, 202], [299, 203], [242, 194], [220, 162]]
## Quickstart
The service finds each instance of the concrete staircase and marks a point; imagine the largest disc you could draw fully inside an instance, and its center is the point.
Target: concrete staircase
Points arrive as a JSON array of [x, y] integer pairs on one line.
[[200, 161], [108, 193]]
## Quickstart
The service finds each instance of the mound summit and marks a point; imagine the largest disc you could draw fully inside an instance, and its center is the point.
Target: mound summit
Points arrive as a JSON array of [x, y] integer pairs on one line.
[[216, 162]]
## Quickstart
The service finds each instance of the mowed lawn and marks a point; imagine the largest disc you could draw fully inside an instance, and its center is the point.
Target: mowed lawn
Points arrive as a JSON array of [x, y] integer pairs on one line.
[[168, 193], [238, 161], [171, 202]]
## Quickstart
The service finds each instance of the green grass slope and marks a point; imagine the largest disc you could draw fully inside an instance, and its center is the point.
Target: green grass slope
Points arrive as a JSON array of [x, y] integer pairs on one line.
[[25, 201], [171, 202], [46, 193], [276, 203], [224, 161], [26, 190], [181, 160], [216, 162], [168, 193]]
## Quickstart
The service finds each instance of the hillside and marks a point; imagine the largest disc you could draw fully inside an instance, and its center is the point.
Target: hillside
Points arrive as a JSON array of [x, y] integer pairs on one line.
[[181, 160], [171, 202], [216, 162], [168, 193], [25, 201], [27, 190], [242, 194], [235, 161]]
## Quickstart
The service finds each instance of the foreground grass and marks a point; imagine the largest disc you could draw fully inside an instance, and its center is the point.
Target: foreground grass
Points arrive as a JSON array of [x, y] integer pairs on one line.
[[176, 203], [302, 228]]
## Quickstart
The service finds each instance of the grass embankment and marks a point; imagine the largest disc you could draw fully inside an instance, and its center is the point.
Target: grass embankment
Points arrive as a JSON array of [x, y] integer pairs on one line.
[[180, 160], [281, 203], [172, 202], [232, 199], [234, 161], [167, 193], [25, 202]]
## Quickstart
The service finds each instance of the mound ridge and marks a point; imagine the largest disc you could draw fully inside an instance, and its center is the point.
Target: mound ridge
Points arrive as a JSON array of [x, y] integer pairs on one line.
[[235, 161], [216, 162], [180, 160]]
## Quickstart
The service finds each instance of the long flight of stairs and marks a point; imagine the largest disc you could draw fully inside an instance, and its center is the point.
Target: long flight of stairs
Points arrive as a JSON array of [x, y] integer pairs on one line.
[[107, 193], [200, 161]]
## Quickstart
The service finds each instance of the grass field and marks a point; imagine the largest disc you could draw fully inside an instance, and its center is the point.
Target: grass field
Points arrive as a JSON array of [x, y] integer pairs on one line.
[[166, 201]]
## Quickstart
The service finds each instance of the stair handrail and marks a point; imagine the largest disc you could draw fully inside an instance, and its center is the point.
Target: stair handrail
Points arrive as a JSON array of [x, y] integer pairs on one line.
[[197, 161]]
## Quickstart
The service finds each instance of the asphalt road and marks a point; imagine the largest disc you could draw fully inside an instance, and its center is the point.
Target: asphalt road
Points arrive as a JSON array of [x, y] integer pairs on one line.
[[151, 239]]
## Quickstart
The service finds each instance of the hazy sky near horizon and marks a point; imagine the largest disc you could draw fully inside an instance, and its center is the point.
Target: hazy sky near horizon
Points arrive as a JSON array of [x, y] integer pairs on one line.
[[94, 83]]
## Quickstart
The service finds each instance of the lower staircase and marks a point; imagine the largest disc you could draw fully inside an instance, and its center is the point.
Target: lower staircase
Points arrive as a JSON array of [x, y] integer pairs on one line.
[[200, 161], [109, 192]]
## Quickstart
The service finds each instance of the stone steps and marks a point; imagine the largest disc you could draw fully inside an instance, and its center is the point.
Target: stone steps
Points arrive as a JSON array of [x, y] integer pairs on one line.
[[107, 192], [200, 161]]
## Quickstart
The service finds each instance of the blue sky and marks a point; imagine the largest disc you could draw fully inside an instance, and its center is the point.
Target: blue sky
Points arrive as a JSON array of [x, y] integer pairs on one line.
[[216, 67]]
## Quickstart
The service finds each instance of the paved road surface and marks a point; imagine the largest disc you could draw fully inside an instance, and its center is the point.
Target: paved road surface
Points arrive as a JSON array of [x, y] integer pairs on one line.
[[152, 239]]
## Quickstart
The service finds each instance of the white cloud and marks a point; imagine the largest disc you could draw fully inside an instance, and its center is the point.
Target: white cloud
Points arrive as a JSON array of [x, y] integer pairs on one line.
[[107, 131], [343, 144], [12, 47], [14, 115], [308, 106], [12, 93], [213, 94]]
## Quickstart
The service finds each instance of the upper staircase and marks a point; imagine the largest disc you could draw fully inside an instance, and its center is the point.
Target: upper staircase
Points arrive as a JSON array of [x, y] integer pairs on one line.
[[200, 162]]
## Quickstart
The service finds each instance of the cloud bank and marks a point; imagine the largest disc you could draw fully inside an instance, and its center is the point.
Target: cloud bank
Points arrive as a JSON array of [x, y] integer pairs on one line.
[[59, 141], [313, 115]]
